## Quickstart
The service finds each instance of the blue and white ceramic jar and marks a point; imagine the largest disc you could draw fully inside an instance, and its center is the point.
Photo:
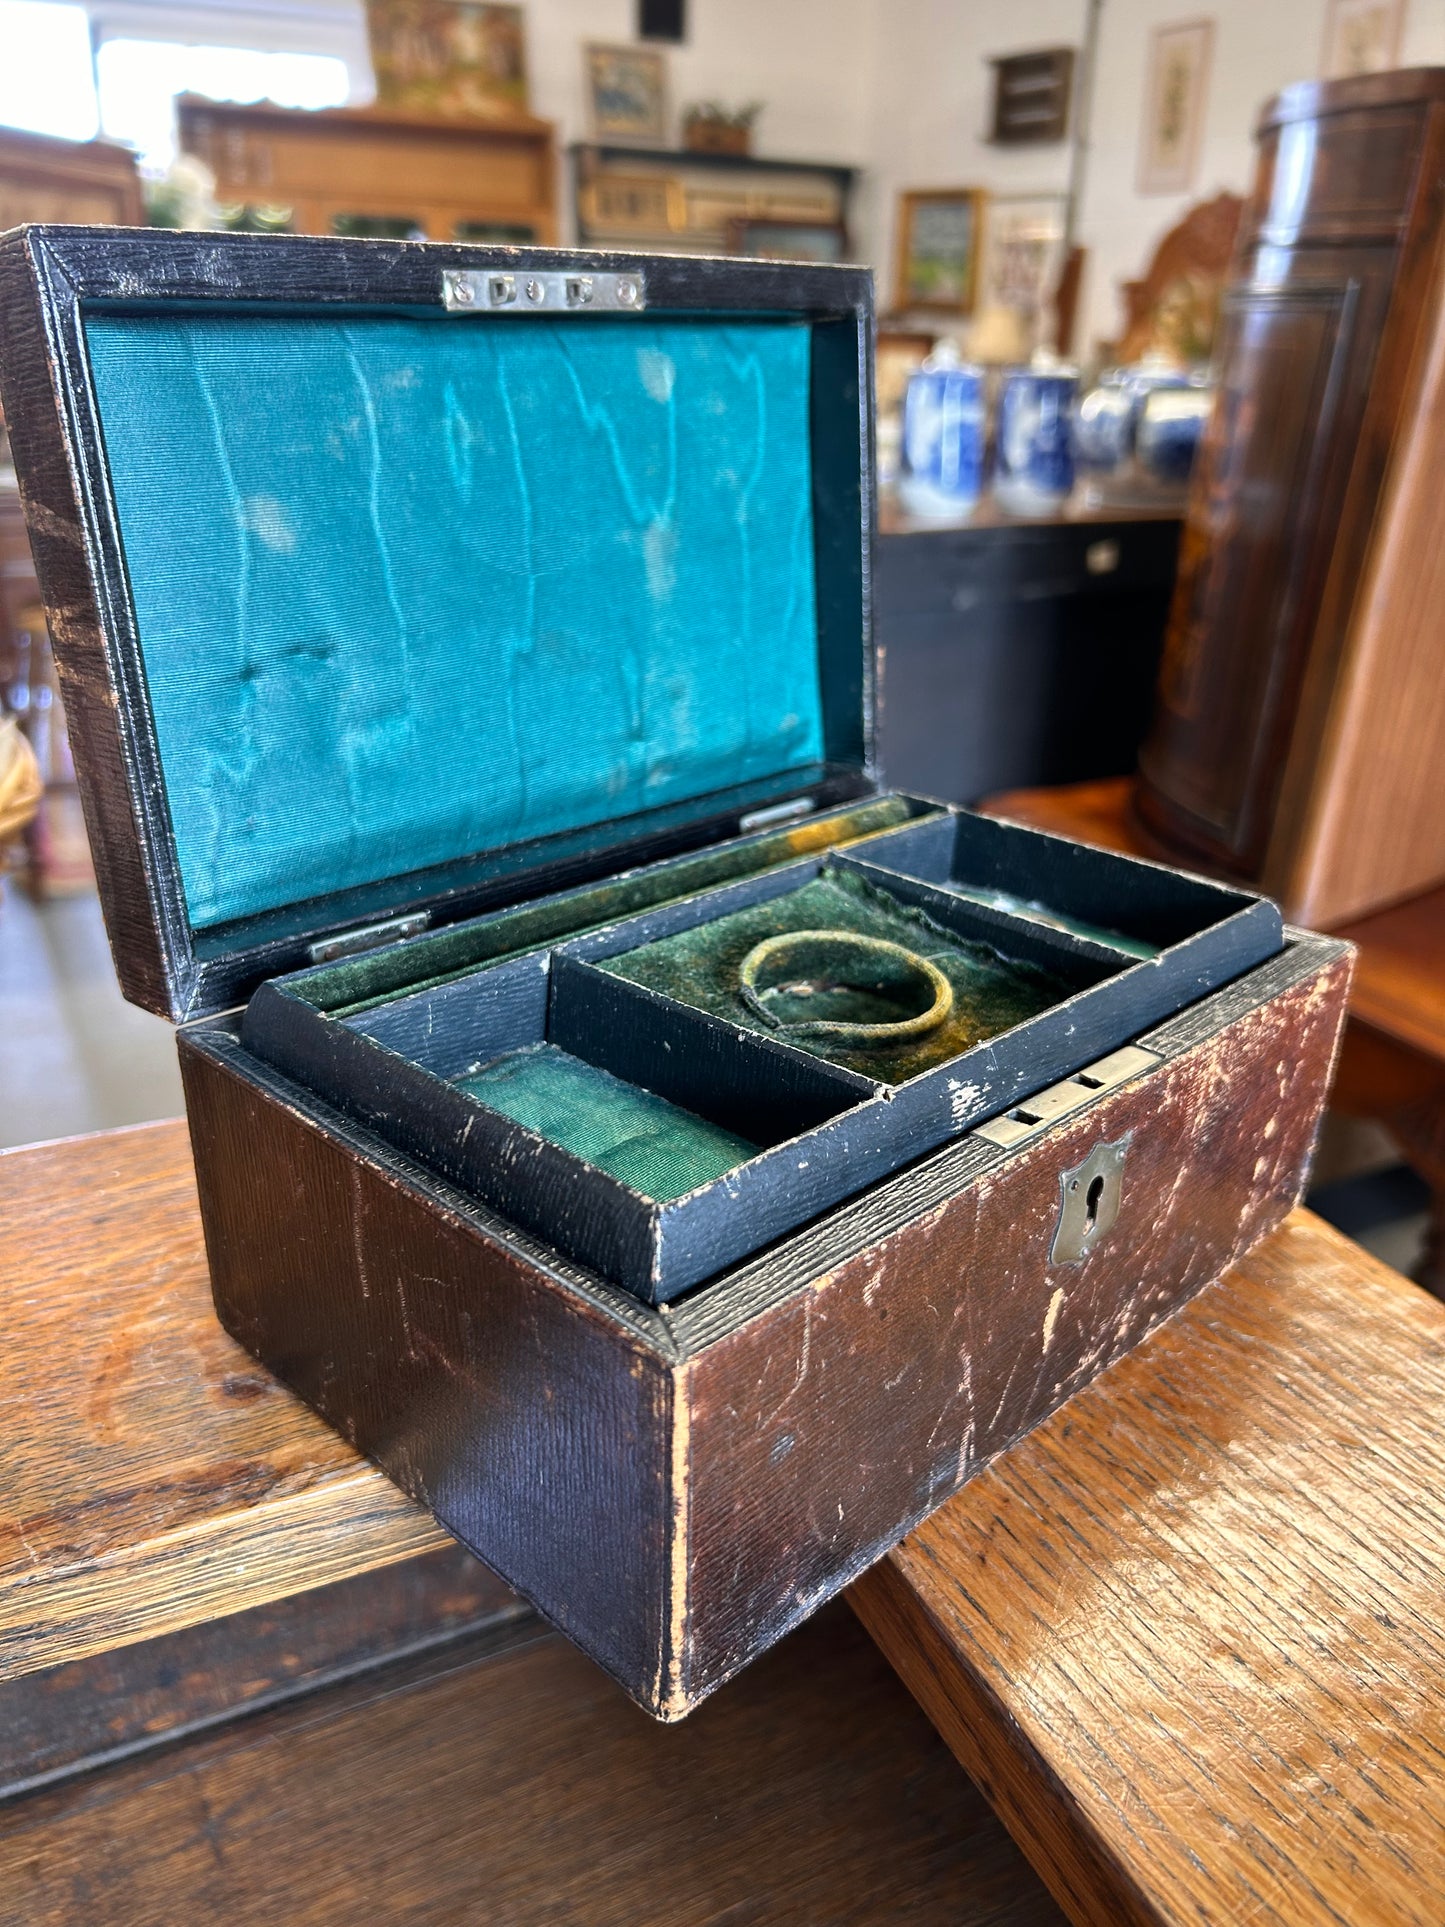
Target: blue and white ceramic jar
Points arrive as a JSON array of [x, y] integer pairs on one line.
[[945, 434], [1104, 424], [1035, 437], [1171, 427]]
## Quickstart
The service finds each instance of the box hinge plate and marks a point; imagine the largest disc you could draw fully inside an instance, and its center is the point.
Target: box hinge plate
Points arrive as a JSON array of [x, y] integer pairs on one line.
[[367, 936], [1036, 1113]]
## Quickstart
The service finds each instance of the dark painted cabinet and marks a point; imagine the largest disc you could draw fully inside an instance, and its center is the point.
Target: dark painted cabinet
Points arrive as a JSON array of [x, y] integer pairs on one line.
[[1018, 653]]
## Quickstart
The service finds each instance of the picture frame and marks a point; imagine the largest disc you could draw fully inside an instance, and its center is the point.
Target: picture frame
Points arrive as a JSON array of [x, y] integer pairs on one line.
[[898, 354], [940, 240], [452, 59], [1179, 61], [1361, 37], [627, 94], [631, 207], [771, 239], [1023, 253]]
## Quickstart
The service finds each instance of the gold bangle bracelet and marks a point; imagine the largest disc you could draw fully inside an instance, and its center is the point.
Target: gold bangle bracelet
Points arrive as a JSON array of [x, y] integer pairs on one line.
[[809, 961]]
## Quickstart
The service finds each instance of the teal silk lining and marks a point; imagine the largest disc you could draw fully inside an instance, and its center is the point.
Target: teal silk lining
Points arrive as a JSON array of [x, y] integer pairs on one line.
[[408, 590]]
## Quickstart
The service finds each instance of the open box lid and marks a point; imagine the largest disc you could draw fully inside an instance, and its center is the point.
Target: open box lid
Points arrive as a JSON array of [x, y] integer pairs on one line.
[[389, 581]]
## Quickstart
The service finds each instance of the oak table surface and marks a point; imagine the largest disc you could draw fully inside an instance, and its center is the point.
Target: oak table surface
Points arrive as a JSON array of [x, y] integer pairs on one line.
[[1189, 1634], [505, 1780], [152, 1475]]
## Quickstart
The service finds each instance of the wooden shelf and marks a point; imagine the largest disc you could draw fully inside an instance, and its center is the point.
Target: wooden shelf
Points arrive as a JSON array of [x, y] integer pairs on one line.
[[154, 1476], [719, 163], [373, 162]]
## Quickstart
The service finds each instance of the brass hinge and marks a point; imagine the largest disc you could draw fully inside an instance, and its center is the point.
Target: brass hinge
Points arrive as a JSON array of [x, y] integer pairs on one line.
[[368, 936]]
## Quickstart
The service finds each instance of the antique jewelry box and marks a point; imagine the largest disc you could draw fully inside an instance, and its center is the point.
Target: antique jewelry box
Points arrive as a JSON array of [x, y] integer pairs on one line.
[[677, 1160]]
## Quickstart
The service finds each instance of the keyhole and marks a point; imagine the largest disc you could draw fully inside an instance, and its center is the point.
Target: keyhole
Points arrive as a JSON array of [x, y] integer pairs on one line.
[[1091, 1201]]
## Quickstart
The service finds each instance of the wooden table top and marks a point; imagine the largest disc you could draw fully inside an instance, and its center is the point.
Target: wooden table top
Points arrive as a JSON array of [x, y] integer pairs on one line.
[[1079, 511], [152, 1475], [504, 1781], [1189, 1634]]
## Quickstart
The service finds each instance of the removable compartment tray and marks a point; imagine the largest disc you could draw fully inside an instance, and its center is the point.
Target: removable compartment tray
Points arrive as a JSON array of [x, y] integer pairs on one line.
[[823, 1132]]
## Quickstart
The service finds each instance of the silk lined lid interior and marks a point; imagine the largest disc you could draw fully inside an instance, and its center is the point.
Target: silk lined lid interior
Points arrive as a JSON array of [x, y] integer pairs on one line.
[[408, 590]]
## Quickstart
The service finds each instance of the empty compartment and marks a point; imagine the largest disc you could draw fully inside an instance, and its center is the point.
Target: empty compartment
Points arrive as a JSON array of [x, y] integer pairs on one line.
[[630, 1086], [1136, 907]]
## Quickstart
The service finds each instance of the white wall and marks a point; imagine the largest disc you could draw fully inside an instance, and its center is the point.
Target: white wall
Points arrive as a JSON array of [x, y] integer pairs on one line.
[[807, 60], [933, 99], [902, 88]]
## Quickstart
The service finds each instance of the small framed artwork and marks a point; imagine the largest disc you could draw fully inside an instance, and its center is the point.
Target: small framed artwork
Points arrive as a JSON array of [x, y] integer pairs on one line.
[[627, 94], [631, 207], [1023, 254], [1362, 37], [1174, 106], [448, 57], [788, 240], [940, 232]]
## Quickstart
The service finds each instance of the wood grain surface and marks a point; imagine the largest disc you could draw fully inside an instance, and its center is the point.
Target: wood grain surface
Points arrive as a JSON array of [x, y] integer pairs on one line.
[[505, 1781], [1188, 1634], [86, 1713], [151, 1474]]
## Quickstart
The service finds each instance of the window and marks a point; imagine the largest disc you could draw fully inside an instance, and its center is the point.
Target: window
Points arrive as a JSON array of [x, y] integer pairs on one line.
[[139, 80], [46, 82]]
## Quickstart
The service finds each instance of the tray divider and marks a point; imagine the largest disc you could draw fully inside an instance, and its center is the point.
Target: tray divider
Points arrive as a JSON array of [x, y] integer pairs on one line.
[[1082, 960], [766, 1090]]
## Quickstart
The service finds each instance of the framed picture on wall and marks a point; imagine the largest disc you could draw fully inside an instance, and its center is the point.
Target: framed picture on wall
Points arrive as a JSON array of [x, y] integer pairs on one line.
[[1362, 37], [940, 234], [1174, 106], [627, 94], [448, 57]]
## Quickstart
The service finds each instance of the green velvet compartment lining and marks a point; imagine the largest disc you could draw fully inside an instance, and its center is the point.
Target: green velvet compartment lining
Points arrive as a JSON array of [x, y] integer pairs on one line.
[[361, 983], [408, 590], [700, 967], [655, 1147]]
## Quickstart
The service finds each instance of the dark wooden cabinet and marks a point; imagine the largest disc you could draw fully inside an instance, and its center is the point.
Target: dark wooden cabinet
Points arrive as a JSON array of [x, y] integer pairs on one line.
[[1018, 652], [1269, 720]]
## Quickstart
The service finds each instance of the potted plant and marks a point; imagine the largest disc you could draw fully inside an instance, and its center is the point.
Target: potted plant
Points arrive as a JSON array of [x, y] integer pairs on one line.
[[710, 128]]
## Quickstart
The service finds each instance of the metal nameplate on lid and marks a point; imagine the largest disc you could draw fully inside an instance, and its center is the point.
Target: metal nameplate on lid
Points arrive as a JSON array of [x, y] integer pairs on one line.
[[536, 291], [1035, 1113]]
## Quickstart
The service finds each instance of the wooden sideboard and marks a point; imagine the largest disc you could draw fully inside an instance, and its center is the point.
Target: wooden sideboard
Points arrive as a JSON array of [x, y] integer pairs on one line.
[[696, 202], [1301, 713], [53, 180], [373, 171]]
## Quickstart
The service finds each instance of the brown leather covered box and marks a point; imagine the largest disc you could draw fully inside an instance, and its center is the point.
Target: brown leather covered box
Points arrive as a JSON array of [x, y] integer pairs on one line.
[[468, 656]]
